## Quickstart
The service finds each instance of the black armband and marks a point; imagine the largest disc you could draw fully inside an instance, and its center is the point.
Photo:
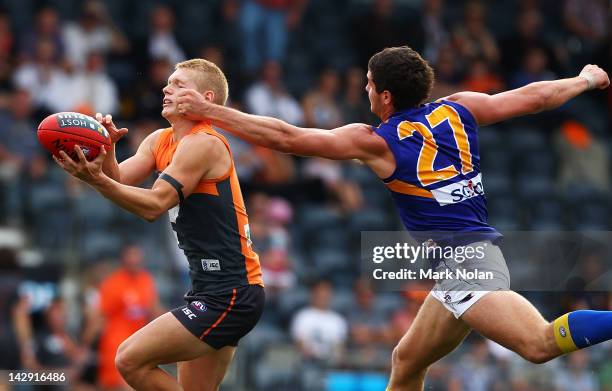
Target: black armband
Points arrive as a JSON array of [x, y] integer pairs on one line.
[[178, 186]]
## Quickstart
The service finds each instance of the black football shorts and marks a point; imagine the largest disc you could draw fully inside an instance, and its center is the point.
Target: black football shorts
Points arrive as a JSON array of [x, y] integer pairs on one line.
[[222, 319]]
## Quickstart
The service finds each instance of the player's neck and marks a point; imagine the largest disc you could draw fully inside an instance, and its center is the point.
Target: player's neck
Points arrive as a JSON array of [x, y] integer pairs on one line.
[[386, 113], [182, 127]]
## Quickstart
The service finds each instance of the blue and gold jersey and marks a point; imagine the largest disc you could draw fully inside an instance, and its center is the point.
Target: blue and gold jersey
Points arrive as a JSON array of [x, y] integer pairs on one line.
[[437, 184]]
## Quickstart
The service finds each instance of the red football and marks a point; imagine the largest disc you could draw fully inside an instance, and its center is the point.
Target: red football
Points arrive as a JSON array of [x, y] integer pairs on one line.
[[62, 131]]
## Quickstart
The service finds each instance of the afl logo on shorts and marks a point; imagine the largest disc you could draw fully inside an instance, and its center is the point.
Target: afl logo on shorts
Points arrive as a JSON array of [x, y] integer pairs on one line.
[[562, 331], [198, 305], [447, 298]]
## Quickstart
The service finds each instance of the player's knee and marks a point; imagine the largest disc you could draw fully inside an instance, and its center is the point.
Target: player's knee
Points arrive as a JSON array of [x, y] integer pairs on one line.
[[404, 364], [534, 348], [124, 360], [535, 355]]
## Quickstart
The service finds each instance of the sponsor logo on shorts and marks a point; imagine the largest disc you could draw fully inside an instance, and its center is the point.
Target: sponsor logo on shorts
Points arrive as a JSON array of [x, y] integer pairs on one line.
[[189, 313], [459, 191], [210, 265], [562, 331], [199, 305], [447, 298], [467, 298]]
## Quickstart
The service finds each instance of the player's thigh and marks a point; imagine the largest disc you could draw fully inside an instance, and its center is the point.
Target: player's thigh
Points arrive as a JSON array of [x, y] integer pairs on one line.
[[510, 320], [434, 333], [205, 373], [164, 340]]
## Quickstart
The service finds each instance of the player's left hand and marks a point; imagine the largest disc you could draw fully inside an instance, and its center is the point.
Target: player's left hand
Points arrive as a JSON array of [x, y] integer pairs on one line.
[[86, 171], [192, 104]]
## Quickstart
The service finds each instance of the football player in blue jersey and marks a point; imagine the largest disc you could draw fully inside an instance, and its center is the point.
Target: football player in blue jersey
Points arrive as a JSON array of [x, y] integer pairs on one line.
[[427, 156]]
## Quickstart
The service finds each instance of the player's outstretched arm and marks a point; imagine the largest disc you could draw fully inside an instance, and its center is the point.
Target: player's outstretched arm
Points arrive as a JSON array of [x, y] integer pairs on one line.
[[346, 142], [532, 98], [137, 168], [186, 169]]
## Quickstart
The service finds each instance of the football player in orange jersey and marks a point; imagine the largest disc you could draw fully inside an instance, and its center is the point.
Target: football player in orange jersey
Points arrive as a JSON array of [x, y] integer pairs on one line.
[[199, 188]]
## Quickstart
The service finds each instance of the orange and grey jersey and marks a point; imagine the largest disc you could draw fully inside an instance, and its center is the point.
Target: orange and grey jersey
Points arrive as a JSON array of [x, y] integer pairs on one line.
[[211, 224]]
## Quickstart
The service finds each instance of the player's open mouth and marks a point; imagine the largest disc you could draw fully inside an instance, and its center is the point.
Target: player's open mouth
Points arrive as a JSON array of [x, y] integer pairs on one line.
[[166, 102]]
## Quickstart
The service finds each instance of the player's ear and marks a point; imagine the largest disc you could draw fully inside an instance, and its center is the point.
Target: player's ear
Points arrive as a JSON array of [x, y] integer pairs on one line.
[[386, 95], [209, 96]]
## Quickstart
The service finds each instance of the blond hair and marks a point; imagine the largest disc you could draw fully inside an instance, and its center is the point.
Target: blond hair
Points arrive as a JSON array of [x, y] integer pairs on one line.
[[211, 78]]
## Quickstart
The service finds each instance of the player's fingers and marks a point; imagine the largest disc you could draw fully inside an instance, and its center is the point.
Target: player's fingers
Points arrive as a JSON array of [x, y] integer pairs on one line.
[[109, 119], [99, 117], [67, 162], [101, 155], [59, 162], [80, 154]]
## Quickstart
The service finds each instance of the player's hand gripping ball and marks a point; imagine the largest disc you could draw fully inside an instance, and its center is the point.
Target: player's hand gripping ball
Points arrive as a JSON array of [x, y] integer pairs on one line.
[[62, 131]]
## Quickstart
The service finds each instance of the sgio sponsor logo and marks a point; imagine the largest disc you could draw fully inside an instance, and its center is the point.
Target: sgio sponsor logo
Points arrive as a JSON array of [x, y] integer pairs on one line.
[[469, 190], [459, 191]]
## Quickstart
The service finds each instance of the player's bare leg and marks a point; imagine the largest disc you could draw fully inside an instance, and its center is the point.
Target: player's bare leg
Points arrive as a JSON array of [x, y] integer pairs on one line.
[[434, 333], [510, 320], [205, 373], [165, 340]]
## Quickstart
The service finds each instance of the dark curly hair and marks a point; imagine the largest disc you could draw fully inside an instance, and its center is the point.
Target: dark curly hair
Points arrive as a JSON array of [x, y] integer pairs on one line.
[[404, 73]]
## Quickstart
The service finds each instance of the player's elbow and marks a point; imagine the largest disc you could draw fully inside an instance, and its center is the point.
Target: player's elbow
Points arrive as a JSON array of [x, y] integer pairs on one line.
[[150, 216], [539, 98], [152, 213]]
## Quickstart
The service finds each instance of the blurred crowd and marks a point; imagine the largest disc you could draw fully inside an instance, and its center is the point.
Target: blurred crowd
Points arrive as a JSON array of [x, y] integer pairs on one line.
[[78, 274]]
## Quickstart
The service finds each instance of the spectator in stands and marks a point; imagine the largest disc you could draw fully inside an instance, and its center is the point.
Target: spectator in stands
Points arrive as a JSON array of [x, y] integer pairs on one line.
[[93, 32], [481, 78], [448, 80], [93, 90], [46, 27], [148, 94], [353, 105], [585, 159], [369, 336], [271, 20], [475, 371], [19, 142], [589, 22], [472, 39], [55, 348], [320, 105], [319, 332], [434, 29], [403, 318], [367, 322], [19, 153], [528, 36], [10, 302], [382, 26], [345, 195], [162, 41], [128, 301], [44, 79], [269, 97], [6, 36], [534, 68]]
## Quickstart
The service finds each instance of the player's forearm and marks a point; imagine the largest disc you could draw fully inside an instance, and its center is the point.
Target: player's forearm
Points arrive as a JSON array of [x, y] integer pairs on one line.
[[552, 94], [265, 131], [141, 202], [110, 166]]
